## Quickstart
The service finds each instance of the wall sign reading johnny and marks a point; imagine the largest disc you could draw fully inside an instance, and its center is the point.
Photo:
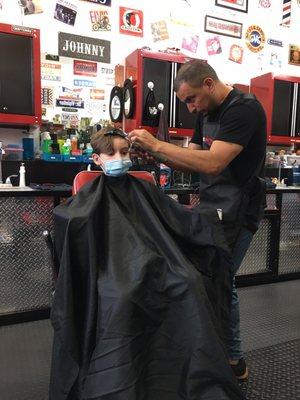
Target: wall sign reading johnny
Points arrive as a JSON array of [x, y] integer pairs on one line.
[[83, 47]]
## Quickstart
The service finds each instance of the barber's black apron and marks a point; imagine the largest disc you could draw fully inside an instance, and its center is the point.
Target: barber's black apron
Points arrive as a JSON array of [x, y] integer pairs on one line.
[[222, 191]]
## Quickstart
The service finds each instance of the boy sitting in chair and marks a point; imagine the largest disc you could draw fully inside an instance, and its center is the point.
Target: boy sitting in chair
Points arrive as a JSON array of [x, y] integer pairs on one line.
[[142, 297]]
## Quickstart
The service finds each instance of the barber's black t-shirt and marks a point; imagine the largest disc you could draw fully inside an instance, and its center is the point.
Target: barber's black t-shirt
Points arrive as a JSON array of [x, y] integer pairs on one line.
[[243, 124]]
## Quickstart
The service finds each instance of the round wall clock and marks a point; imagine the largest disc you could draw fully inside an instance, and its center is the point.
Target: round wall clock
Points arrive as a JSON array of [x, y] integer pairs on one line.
[[116, 104]]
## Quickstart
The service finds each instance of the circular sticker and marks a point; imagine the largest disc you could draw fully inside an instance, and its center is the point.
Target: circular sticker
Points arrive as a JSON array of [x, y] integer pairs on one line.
[[255, 38]]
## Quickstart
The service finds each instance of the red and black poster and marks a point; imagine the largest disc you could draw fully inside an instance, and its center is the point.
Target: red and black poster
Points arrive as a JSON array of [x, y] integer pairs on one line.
[[86, 68], [131, 22]]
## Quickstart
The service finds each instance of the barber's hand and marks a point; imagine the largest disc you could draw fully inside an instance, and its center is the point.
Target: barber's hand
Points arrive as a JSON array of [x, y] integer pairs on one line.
[[144, 139]]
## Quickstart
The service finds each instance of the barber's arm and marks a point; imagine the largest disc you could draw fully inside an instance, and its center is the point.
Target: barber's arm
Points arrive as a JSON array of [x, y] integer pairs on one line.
[[211, 161]]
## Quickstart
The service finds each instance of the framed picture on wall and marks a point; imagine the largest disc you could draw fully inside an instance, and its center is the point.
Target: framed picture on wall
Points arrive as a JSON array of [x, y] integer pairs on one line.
[[223, 26], [238, 5]]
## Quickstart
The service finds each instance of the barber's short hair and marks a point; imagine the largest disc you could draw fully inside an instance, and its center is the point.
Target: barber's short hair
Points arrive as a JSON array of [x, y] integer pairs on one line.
[[102, 141], [193, 73]]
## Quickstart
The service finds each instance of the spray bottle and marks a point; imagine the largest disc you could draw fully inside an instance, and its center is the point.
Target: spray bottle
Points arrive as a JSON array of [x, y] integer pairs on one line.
[[22, 175]]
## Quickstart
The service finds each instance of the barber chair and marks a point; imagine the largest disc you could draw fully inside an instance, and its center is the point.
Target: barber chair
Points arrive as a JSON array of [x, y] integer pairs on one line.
[[81, 179]]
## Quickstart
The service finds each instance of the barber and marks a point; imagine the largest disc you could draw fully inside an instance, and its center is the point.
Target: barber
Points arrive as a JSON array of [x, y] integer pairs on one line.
[[228, 153]]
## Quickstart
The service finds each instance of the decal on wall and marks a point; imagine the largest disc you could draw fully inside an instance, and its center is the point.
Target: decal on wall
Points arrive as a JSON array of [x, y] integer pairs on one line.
[[255, 38], [236, 53], [47, 96], [286, 13], [275, 42], [190, 43], [223, 26], [213, 46], [83, 47], [87, 68], [84, 83], [294, 54], [97, 94], [69, 103], [264, 3], [102, 2], [100, 20], [237, 5], [131, 21], [50, 72], [159, 31], [31, 6], [70, 120], [65, 12], [275, 60], [51, 57]]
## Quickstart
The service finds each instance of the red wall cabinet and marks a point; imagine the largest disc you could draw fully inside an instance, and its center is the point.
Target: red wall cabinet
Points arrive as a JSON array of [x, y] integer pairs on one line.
[[144, 66], [20, 75], [280, 97]]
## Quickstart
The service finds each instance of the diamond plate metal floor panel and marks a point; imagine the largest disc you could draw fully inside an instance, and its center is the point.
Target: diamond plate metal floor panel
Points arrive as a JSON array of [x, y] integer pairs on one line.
[[270, 314], [25, 356], [274, 372]]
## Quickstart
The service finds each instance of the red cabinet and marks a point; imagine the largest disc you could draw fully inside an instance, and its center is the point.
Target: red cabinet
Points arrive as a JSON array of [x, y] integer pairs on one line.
[[160, 68], [20, 75], [280, 97]]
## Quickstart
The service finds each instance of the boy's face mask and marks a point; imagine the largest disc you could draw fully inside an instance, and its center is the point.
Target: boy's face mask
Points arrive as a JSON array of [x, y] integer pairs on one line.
[[117, 167]]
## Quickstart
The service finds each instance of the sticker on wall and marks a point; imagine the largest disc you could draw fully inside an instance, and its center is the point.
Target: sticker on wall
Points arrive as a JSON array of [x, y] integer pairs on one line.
[[264, 3], [100, 20], [102, 2], [275, 42], [65, 12], [84, 83], [70, 120], [286, 13], [131, 21], [213, 46], [83, 47], [69, 103], [275, 60], [237, 5], [87, 68], [97, 94], [50, 72], [255, 38], [223, 26], [31, 6], [51, 57], [236, 53], [73, 110], [107, 71], [190, 43], [73, 94], [47, 96], [294, 54], [159, 31]]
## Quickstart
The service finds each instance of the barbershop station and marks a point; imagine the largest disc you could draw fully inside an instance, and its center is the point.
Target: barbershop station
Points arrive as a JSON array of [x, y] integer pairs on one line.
[[149, 200]]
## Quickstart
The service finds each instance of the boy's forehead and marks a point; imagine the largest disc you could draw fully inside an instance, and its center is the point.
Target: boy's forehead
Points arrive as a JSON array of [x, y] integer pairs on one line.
[[120, 143]]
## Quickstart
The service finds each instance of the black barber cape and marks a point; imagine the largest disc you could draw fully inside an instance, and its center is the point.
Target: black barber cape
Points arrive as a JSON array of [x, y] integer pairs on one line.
[[141, 299]]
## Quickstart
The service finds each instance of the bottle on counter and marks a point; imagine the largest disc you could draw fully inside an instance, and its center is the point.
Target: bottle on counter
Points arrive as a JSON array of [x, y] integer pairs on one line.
[[74, 143], [66, 148], [22, 171]]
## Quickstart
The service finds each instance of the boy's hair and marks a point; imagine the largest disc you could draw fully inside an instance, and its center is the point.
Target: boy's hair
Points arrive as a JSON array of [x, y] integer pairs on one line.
[[103, 143], [193, 73]]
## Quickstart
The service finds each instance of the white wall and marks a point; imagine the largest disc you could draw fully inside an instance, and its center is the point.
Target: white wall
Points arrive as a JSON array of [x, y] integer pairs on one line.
[[189, 20]]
